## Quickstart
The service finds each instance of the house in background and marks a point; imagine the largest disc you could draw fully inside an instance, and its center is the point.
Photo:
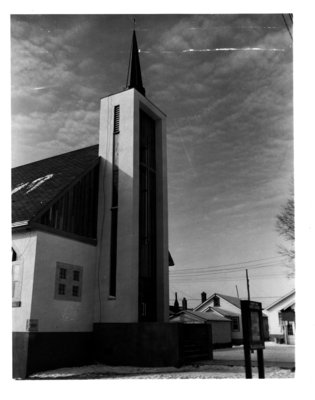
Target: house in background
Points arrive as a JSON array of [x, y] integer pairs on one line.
[[281, 316], [228, 307], [221, 327]]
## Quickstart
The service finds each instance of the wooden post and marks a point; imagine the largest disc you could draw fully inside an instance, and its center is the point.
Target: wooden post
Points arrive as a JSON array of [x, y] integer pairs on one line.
[[260, 361], [248, 362]]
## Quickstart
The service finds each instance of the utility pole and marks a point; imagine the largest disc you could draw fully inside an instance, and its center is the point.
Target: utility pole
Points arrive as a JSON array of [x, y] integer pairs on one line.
[[238, 296], [247, 280]]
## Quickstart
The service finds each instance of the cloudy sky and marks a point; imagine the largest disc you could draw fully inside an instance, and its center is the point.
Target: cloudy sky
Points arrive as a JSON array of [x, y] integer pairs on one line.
[[225, 83]]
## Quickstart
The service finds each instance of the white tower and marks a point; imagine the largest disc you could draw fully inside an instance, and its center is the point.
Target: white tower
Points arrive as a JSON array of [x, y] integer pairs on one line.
[[133, 258]]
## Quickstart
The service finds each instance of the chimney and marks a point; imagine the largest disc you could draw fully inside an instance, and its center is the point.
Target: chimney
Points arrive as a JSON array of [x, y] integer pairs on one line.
[[184, 303], [203, 297], [176, 305]]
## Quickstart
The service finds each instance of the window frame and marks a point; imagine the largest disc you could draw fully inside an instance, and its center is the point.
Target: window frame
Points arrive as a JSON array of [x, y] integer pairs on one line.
[[237, 319]]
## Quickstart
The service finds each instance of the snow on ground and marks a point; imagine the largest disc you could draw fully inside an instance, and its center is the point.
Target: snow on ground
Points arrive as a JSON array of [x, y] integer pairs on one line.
[[227, 364], [209, 371]]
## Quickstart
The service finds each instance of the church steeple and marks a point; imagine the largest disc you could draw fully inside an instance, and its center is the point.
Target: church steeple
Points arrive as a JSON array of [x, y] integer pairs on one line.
[[134, 79]]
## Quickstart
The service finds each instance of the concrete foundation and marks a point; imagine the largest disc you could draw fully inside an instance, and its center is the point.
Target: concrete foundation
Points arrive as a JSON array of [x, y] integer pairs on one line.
[[135, 344]]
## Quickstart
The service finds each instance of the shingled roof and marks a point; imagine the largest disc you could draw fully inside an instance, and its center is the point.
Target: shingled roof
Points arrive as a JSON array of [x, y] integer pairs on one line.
[[37, 184]]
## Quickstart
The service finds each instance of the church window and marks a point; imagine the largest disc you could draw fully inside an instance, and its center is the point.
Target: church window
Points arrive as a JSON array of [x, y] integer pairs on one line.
[[147, 220], [68, 284], [75, 291], [62, 273], [76, 275], [114, 205], [61, 289]]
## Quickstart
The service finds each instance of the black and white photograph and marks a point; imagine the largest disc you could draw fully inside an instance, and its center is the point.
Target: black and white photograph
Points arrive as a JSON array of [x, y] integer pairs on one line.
[[153, 196]]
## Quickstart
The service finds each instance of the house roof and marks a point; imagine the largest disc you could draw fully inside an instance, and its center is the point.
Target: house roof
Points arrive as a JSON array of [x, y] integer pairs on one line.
[[225, 313], [202, 315], [233, 300], [281, 299], [37, 184]]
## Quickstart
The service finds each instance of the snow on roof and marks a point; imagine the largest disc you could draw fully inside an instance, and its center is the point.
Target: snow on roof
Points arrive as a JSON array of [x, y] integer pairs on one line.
[[233, 300], [207, 316]]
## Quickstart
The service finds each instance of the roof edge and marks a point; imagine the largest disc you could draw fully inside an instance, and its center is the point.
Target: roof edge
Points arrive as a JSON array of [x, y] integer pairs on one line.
[[280, 299]]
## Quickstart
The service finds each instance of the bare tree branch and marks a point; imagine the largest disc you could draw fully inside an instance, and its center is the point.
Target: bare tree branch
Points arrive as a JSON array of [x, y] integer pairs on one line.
[[285, 226]]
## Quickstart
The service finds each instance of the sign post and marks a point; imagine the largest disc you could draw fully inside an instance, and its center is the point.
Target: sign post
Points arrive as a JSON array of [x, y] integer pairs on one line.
[[253, 336]]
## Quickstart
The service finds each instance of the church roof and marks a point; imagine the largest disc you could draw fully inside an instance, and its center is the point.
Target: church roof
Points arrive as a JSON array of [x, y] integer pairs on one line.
[[37, 184]]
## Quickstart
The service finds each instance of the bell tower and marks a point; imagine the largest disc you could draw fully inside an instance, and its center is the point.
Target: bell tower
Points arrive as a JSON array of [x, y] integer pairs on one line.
[[132, 270]]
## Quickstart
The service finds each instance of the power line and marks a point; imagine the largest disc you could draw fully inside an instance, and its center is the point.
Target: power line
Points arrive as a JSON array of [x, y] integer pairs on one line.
[[227, 279], [232, 264], [197, 272], [254, 297]]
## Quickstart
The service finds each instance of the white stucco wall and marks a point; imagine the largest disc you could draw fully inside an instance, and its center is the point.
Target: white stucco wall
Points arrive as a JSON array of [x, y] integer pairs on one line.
[[62, 315], [25, 246], [124, 306]]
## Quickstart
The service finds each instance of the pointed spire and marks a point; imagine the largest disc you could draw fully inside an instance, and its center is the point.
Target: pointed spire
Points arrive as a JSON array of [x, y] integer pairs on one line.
[[134, 79]]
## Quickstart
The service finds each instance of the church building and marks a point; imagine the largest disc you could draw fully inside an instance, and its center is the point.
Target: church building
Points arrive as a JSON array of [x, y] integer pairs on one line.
[[90, 251]]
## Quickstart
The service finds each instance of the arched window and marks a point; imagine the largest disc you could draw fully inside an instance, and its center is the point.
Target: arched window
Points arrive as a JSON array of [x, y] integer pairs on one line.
[[17, 274]]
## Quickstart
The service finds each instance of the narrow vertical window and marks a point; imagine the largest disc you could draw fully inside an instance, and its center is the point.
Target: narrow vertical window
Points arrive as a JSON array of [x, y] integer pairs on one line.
[[17, 274], [147, 220], [114, 208]]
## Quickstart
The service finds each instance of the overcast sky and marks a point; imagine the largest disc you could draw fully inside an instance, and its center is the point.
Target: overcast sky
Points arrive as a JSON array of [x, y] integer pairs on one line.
[[225, 83]]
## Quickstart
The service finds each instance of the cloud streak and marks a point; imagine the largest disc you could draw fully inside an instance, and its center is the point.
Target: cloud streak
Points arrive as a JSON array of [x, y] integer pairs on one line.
[[215, 50]]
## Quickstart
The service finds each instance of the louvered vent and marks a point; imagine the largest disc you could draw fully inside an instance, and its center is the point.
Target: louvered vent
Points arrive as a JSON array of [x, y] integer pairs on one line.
[[116, 119]]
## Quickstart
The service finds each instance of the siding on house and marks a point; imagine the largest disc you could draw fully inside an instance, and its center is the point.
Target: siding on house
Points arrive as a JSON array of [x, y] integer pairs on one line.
[[227, 309], [273, 312]]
